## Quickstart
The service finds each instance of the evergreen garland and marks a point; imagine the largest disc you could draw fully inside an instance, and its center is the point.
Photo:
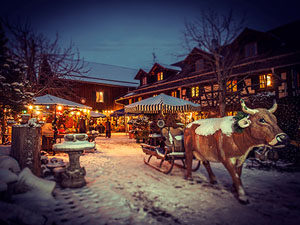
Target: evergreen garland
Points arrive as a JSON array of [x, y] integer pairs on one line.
[[240, 115]]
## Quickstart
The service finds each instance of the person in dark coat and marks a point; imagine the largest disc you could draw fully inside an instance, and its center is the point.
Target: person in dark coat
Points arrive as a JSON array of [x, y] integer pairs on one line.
[[82, 126], [108, 129]]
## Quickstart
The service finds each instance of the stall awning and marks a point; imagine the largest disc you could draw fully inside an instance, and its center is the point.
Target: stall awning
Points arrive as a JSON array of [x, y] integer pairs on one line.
[[53, 100], [162, 103]]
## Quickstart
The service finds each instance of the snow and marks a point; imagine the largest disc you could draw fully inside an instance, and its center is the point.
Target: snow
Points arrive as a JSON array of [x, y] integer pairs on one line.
[[210, 126], [117, 75], [121, 189]]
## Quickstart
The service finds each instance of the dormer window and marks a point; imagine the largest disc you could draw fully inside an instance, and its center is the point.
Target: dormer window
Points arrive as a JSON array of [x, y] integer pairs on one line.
[[251, 49], [199, 65], [144, 80], [160, 76], [174, 94], [195, 91]]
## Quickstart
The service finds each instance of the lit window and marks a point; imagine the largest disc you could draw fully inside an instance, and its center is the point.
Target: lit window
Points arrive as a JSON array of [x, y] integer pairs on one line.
[[144, 80], [99, 96], [174, 94], [265, 80], [160, 76], [195, 91], [130, 101], [139, 98], [232, 85], [232, 113], [154, 95]]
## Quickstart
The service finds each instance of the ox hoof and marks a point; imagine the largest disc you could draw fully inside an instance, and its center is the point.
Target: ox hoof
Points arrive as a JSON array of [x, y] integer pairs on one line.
[[243, 200], [213, 182], [189, 178]]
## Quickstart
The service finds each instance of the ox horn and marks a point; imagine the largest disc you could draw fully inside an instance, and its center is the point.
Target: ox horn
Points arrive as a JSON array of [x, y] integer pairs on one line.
[[274, 107], [245, 122], [246, 109]]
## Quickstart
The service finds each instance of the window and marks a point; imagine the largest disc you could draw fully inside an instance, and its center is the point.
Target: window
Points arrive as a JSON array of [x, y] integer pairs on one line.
[[139, 98], [199, 64], [154, 95], [130, 100], [265, 80], [232, 113], [250, 49], [144, 80], [231, 86], [160, 76], [174, 94], [195, 91], [99, 96]]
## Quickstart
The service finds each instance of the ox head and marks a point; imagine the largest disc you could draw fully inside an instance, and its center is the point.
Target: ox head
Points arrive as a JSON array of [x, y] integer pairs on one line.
[[263, 126]]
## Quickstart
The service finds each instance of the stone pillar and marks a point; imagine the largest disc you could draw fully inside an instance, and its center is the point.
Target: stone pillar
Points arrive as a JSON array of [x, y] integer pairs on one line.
[[26, 147]]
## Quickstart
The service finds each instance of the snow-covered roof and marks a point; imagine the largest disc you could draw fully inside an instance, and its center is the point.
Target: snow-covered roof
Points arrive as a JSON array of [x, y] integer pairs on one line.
[[53, 100], [108, 74]]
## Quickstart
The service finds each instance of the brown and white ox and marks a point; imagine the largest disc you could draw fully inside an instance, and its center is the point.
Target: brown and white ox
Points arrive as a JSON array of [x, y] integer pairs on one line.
[[214, 140]]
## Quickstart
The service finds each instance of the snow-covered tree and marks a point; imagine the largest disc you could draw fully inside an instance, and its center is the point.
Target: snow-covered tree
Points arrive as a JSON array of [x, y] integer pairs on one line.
[[13, 86]]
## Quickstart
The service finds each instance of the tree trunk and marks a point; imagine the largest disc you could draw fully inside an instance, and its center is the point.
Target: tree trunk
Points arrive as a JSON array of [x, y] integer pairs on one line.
[[222, 88], [26, 147]]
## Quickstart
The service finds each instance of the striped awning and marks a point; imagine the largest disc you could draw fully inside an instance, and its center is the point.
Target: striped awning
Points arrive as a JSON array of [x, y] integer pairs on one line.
[[162, 103]]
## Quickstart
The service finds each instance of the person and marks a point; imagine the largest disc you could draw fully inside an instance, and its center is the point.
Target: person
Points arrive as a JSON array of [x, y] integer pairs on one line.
[[108, 129], [82, 125]]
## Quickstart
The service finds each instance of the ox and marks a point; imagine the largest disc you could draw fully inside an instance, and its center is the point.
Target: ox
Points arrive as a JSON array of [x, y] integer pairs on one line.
[[215, 140]]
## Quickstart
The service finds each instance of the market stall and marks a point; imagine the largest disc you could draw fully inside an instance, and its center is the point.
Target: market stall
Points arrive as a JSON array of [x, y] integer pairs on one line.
[[163, 121], [60, 116]]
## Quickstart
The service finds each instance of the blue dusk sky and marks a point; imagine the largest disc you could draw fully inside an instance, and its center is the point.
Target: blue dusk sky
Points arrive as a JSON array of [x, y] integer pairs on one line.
[[127, 33]]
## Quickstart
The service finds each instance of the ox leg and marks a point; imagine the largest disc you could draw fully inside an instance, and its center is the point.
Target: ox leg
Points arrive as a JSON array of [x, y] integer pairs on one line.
[[236, 181], [188, 157], [239, 170], [211, 174]]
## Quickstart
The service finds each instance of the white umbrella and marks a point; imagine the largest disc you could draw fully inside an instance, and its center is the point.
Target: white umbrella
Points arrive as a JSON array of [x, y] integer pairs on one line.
[[53, 100], [96, 114], [162, 103]]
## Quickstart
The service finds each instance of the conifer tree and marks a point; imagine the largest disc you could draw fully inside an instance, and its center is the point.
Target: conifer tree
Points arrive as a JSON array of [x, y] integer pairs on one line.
[[13, 86]]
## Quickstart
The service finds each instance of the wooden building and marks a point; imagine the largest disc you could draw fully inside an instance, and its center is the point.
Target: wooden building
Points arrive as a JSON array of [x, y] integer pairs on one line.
[[268, 62], [102, 85]]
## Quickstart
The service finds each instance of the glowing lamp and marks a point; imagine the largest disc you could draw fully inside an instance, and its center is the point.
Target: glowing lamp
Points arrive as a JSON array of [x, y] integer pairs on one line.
[[59, 107], [38, 112], [30, 107], [84, 110], [78, 113]]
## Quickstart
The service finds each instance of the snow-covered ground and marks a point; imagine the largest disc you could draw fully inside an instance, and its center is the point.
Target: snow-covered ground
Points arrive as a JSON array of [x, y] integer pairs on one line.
[[121, 189]]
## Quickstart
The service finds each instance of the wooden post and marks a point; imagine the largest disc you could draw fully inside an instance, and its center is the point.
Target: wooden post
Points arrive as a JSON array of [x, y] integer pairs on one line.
[[26, 147]]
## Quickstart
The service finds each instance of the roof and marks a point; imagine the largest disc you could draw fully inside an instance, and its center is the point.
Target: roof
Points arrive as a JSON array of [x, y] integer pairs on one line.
[[108, 74], [53, 100], [162, 102]]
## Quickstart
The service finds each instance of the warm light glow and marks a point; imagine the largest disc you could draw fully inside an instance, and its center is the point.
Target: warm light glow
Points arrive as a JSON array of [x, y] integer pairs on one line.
[[44, 118], [78, 113], [38, 112], [84, 110], [30, 107], [59, 107], [71, 113], [48, 107]]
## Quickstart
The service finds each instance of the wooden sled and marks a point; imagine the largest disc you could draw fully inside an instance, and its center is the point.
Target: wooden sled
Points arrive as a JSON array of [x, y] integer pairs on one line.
[[168, 156]]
